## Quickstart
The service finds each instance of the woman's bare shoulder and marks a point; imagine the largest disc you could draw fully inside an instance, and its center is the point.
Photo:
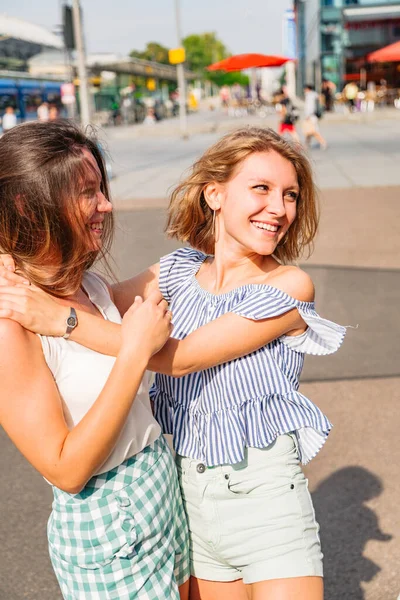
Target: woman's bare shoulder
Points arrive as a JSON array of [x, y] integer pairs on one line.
[[293, 281], [15, 338]]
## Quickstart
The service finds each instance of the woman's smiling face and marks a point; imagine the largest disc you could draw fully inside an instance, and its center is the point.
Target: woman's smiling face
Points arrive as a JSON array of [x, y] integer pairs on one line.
[[258, 204], [93, 205]]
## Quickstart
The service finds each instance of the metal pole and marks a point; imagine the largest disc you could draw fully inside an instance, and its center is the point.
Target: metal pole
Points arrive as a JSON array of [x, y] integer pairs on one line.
[[181, 79], [71, 108], [81, 59]]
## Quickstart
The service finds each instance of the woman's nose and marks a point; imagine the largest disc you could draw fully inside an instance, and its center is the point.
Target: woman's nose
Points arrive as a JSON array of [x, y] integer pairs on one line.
[[103, 204], [276, 204]]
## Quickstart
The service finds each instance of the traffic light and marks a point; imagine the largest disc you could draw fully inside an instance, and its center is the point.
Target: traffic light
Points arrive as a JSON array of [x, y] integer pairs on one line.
[[68, 27]]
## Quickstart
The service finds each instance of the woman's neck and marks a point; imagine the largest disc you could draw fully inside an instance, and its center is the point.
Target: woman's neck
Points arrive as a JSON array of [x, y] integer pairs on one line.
[[233, 267]]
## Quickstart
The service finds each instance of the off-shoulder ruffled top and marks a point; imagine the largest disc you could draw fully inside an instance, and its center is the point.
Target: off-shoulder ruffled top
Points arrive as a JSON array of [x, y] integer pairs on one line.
[[214, 414]]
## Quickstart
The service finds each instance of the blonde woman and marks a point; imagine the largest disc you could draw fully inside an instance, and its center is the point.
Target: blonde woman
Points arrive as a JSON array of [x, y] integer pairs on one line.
[[227, 382]]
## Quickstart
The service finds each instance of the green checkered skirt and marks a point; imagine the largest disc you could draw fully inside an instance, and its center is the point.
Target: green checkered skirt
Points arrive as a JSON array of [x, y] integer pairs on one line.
[[125, 535]]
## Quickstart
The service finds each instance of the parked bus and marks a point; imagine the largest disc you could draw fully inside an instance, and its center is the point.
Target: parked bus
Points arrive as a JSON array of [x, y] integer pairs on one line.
[[25, 95]]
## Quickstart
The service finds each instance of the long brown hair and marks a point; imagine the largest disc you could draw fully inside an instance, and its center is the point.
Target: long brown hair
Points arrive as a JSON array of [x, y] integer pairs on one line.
[[43, 169], [190, 217]]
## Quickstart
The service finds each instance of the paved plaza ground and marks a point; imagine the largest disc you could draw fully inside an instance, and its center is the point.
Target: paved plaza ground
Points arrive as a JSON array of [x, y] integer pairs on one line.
[[356, 269]]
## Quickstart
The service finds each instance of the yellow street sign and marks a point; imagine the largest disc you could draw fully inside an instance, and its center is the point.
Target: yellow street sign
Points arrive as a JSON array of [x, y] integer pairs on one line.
[[176, 56], [92, 80]]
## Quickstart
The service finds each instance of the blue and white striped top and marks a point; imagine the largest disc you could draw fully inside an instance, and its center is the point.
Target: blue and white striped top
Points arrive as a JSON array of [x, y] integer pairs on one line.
[[214, 414]]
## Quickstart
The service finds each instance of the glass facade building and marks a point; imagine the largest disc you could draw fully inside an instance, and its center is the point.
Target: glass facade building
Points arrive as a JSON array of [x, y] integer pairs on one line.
[[335, 36]]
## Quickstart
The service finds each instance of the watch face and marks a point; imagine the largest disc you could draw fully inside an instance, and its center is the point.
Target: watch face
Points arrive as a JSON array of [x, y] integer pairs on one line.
[[71, 321]]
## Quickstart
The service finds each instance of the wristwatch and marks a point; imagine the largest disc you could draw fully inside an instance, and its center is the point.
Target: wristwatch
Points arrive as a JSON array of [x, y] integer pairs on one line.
[[71, 323]]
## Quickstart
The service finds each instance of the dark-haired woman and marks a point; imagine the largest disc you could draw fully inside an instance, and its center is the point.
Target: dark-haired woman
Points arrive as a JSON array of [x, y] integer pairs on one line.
[[228, 383], [81, 418]]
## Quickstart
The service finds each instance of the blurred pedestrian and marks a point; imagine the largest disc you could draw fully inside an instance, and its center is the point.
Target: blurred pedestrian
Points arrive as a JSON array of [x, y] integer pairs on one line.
[[9, 119], [43, 112], [193, 103], [53, 113], [350, 92], [224, 95], [150, 118], [229, 385], [328, 89], [237, 93], [81, 418], [126, 109], [116, 113], [288, 116], [382, 93], [312, 114]]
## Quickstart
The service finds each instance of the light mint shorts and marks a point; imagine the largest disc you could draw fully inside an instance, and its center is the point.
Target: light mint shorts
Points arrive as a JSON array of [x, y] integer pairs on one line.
[[253, 521]]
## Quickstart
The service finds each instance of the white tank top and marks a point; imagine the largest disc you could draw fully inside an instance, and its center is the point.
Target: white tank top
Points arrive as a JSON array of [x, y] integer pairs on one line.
[[81, 373]]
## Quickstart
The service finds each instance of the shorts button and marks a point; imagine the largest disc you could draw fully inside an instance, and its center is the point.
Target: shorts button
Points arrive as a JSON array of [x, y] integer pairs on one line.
[[227, 476], [201, 468], [292, 486]]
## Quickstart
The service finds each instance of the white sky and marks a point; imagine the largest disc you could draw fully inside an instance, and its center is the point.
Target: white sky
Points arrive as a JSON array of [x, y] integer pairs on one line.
[[123, 25]]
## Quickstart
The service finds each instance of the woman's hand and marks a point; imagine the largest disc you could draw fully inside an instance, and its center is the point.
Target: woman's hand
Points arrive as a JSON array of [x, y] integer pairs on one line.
[[32, 308], [8, 276], [146, 325]]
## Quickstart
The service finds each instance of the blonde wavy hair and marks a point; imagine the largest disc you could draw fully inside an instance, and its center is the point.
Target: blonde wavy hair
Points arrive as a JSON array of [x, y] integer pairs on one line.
[[190, 218]]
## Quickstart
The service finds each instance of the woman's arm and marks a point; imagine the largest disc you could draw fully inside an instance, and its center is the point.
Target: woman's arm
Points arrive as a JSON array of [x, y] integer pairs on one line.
[[227, 338], [232, 336], [142, 285], [41, 313], [123, 292], [31, 408], [224, 339]]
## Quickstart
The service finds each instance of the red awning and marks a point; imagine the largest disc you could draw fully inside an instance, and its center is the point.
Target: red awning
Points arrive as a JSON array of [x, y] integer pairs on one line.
[[389, 53], [248, 61]]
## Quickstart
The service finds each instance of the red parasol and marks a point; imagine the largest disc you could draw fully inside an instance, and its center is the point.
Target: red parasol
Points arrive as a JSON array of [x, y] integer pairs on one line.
[[248, 61], [389, 53]]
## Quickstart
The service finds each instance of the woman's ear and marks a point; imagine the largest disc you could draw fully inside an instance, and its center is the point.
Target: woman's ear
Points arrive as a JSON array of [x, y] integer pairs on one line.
[[213, 195]]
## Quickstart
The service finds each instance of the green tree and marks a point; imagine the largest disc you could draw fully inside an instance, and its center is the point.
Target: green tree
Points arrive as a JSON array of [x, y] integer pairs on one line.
[[220, 78], [203, 50], [153, 51]]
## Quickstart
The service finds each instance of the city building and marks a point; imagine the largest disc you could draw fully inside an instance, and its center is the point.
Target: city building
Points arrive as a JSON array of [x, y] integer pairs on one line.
[[34, 64], [20, 40], [334, 38]]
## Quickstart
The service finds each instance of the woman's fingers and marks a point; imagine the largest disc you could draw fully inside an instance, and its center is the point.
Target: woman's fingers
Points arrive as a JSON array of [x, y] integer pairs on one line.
[[17, 290], [20, 294], [163, 304], [7, 261], [22, 290], [155, 297], [8, 277], [11, 296], [41, 312]]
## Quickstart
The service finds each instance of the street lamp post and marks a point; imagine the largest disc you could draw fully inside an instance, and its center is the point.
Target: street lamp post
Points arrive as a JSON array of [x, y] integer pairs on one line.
[[81, 60], [181, 78]]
